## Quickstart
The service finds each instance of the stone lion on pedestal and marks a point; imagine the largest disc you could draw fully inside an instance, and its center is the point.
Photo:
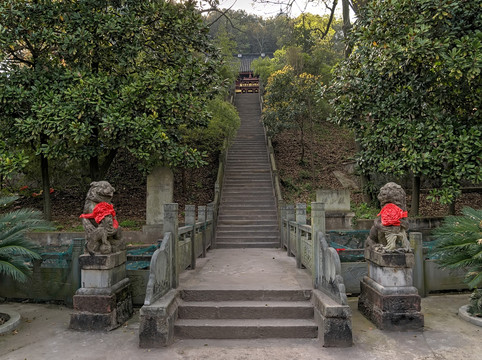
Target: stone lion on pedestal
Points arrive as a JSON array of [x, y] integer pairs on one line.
[[103, 234], [389, 231]]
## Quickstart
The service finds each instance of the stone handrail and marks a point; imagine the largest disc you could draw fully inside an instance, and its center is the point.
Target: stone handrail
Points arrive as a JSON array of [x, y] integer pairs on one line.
[[308, 244], [161, 271]]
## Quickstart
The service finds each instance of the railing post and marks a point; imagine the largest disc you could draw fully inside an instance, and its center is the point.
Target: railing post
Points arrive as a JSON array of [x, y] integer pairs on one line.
[[416, 242], [171, 224], [282, 216], [317, 225], [201, 217], [211, 216], [190, 220], [290, 216], [300, 220], [77, 250]]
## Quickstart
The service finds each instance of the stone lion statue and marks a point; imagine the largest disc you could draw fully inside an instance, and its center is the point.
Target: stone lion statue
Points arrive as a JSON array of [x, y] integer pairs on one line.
[[102, 232], [389, 230]]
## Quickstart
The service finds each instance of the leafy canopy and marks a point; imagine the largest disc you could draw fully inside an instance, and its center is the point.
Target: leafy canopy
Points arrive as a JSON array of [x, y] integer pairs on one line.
[[86, 78], [411, 90]]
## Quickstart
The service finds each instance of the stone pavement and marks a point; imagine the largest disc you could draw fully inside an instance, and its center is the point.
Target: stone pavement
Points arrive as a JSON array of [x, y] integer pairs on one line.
[[44, 333]]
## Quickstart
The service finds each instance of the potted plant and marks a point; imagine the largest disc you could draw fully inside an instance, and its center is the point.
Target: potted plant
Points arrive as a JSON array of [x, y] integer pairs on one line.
[[459, 246]]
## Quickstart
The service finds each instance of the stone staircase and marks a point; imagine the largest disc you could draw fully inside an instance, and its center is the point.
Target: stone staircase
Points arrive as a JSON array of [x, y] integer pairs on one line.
[[248, 212], [245, 314]]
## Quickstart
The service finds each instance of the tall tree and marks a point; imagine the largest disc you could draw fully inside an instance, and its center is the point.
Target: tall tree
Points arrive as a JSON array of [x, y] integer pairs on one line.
[[87, 78], [412, 91]]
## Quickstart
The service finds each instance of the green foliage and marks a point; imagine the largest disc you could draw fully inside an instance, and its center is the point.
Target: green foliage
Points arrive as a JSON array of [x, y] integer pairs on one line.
[[290, 102], [89, 78], [411, 90], [221, 130], [459, 244], [14, 246], [475, 304], [365, 211]]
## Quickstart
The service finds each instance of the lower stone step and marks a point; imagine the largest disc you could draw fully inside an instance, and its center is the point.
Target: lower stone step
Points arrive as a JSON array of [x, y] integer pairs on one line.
[[246, 310], [245, 245], [245, 329]]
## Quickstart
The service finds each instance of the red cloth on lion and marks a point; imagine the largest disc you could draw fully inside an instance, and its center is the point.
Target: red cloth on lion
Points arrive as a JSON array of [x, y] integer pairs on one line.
[[101, 210], [391, 215]]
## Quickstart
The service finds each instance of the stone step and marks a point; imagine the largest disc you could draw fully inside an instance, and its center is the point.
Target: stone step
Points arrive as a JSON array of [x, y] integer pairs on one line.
[[246, 295], [246, 310], [254, 219], [247, 245], [246, 237], [245, 329], [248, 227], [239, 222]]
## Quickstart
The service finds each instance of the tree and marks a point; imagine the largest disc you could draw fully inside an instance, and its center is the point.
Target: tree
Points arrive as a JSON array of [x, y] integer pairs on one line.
[[411, 91], [14, 246], [290, 102], [84, 79]]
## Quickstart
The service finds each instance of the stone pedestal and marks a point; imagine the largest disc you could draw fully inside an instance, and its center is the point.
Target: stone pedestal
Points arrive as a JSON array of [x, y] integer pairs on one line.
[[387, 297], [104, 301]]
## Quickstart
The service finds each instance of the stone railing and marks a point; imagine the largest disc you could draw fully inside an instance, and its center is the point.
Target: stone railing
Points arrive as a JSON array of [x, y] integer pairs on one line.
[[308, 244], [179, 249], [161, 271]]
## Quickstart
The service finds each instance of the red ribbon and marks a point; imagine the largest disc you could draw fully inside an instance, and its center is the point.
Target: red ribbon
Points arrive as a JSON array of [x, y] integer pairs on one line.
[[391, 215], [101, 210]]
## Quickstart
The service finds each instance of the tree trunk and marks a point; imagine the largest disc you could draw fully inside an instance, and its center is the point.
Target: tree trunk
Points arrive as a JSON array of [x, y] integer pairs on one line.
[[452, 208], [365, 181], [44, 167], [414, 208], [346, 25], [94, 168]]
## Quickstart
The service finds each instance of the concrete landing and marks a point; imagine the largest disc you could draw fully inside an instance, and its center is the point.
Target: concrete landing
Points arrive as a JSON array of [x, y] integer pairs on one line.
[[246, 269], [44, 334]]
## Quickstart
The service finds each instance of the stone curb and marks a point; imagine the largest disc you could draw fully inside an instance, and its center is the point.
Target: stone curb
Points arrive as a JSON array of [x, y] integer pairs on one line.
[[12, 323], [464, 314]]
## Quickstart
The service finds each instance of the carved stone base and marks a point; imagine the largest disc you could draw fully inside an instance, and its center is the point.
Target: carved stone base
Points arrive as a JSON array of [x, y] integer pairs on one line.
[[395, 308], [104, 301]]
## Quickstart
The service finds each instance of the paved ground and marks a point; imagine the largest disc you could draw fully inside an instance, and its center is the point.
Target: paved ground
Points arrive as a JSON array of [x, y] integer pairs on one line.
[[44, 333]]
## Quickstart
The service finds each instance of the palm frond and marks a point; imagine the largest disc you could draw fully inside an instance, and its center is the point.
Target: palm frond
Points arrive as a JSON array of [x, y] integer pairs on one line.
[[15, 269], [7, 200]]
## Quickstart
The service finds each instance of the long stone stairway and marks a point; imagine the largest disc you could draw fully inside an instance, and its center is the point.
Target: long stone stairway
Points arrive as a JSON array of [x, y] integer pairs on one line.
[[246, 289], [248, 212]]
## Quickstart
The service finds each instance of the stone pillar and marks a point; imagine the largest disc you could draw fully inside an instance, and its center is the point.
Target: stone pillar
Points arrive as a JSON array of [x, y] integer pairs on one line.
[[290, 216], [317, 225], [201, 217], [416, 242], [171, 224], [211, 216], [190, 219], [388, 297], [160, 191], [104, 301]]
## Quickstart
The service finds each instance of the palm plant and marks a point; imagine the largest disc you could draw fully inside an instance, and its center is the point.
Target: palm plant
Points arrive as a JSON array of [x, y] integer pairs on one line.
[[15, 248], [460, 247]]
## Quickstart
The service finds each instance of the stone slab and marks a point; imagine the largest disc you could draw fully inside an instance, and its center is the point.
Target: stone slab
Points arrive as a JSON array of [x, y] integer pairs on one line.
[[334, 332], [102, 262], [390, 312], [160, 191], [391, 276], [102, 278], [390, 290], [390, 259], [328, 307], [100, 312], [156, 328], [334, 200]]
